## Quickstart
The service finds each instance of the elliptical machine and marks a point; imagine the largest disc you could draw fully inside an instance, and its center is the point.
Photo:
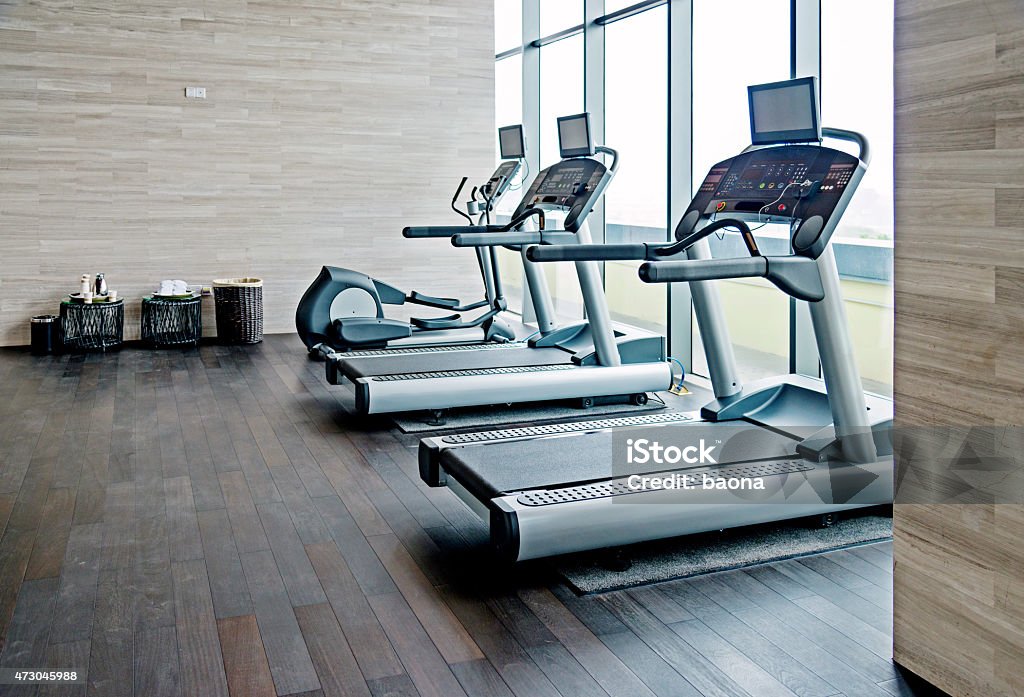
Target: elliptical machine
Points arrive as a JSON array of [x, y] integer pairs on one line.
[[343, 310]]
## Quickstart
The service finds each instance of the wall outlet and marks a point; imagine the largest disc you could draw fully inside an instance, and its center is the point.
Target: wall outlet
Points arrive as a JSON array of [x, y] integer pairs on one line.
[[195, 93]]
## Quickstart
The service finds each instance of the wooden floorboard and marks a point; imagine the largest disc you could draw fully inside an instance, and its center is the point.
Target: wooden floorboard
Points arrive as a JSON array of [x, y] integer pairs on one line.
[[332, 656], [245, 661], [210, 522]]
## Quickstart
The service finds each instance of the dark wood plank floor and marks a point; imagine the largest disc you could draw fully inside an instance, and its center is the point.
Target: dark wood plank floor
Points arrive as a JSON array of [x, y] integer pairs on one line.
[[209, 522]]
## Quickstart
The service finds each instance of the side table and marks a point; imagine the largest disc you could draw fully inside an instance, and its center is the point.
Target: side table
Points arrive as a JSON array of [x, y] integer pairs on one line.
[[172, 322], [92, 326]]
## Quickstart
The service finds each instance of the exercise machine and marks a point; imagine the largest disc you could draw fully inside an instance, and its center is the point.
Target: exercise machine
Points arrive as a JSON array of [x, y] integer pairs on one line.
[[817, 447], [343, 310], [591, 361]]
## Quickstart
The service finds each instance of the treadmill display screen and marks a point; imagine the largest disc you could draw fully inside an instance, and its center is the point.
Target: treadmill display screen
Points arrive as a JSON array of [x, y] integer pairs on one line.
[[574, 139], [784, 112], [512, 142]]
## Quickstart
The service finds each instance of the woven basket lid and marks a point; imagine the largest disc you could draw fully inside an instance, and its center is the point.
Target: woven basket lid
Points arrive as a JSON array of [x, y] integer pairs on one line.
[[247, 282]]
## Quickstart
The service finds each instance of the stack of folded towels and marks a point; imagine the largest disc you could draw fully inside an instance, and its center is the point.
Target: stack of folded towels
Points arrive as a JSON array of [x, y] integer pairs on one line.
[[172, 288]]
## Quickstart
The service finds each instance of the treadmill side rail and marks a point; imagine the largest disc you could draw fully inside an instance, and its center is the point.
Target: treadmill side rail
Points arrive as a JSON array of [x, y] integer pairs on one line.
[[374, 395], [520, 531]]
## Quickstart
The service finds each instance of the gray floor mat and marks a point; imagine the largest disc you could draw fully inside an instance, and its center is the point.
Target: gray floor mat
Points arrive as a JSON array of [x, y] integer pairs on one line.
[[694, 555]]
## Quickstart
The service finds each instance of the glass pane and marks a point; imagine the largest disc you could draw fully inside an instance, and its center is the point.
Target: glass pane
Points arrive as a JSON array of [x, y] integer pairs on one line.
[[721, 120], [633, 302], [857, 93], [508, 24], [510, 266], [615, 5], [561, 90], [757, 313], [556, 15], [561, 93], [636, 124], [508, 110]]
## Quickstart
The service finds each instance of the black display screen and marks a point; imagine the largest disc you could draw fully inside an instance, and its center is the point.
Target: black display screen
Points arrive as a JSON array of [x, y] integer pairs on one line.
[[784, 112]]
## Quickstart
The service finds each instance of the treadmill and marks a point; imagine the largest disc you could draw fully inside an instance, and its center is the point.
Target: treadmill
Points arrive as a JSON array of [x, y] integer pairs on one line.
[[816, 447], [592, 361]]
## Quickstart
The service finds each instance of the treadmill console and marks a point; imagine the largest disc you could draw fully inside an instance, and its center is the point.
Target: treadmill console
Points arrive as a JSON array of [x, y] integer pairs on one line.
[[499, 182], [570, 185], [808, 184]]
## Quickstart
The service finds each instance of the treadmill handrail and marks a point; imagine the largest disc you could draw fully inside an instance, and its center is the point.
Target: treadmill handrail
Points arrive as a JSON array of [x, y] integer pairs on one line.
[[489, 239], [702, 269], [794, 275], [636, 251], [863, 147], [447, 230]]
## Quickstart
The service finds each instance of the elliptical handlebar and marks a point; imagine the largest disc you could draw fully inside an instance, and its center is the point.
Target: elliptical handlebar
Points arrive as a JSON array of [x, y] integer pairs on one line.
[[455, 199]]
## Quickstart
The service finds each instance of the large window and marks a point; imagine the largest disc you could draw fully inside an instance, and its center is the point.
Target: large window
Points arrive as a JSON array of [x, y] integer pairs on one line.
[[636, 124], [561, 90], [857, 93], [757, 314], [508, 110], [558, 15], [508, 24], [561, 94], [633, 70]]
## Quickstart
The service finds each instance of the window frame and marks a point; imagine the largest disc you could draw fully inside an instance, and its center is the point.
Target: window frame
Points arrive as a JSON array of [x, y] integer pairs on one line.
[[805, 60]]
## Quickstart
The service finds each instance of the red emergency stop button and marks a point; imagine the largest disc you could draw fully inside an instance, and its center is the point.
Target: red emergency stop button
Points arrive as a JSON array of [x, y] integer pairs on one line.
[[721, 206], [782, 207]]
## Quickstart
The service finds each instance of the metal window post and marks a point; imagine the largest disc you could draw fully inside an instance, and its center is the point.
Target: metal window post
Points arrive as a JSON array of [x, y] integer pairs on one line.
[[531, 112], [680, 176], [805, 60]]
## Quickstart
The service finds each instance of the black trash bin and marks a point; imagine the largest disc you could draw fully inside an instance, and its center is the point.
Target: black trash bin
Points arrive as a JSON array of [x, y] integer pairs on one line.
[[44, 334]]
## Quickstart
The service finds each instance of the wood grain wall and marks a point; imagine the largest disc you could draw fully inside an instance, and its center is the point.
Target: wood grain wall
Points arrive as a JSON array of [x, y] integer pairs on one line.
[[959, 361], [327, 126]]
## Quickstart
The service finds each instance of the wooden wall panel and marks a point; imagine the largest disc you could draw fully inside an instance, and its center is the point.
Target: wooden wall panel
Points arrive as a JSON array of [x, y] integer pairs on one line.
[[327, 126], [959, 361]]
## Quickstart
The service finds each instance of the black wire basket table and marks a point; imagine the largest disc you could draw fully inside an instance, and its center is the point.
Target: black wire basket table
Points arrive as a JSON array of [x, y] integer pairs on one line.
[[97, 326], [172, 323]]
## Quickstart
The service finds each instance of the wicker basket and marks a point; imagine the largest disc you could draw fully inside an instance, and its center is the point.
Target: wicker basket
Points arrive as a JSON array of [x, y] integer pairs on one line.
[[239, 304]]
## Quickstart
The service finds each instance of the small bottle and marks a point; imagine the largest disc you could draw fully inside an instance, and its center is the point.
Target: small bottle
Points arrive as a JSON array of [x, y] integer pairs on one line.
[[84, 286], [101, 284]]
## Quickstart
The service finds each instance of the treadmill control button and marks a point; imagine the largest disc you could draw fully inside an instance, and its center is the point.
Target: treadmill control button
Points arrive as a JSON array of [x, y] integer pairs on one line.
[[720, 206]]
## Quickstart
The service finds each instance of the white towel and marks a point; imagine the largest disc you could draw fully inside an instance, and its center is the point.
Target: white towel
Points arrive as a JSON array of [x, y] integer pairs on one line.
[[175, 287]]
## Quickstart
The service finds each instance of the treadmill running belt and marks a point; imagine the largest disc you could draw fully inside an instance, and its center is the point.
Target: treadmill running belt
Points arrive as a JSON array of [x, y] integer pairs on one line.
[[489, 471], [511, 357]]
